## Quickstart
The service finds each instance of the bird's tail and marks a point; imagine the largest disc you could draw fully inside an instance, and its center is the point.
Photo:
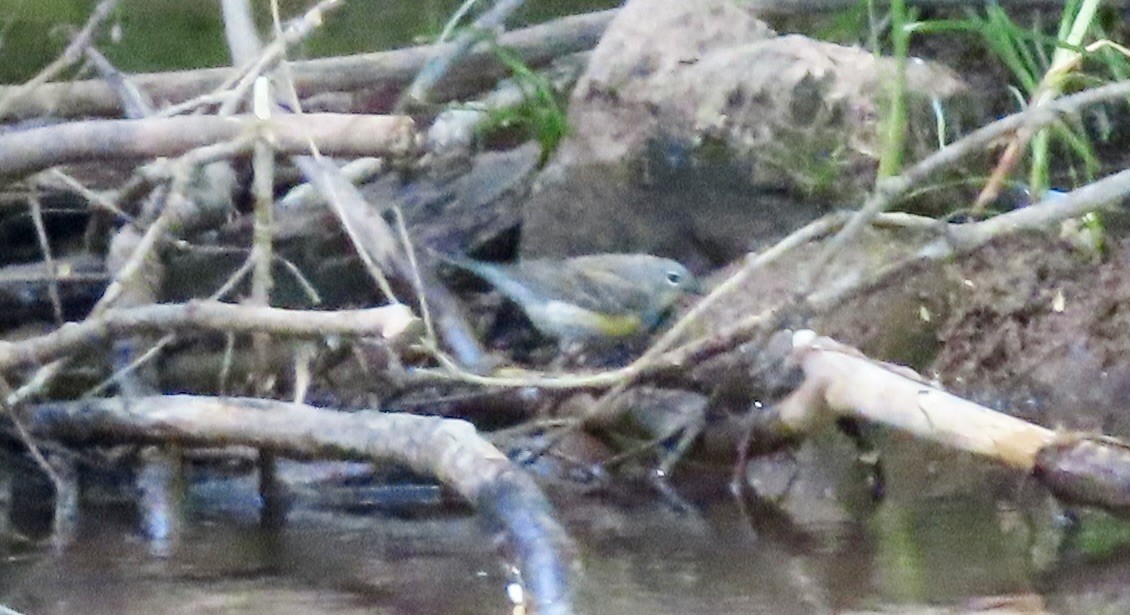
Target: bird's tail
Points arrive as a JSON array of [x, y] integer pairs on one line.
[[487, 271], [496, 275], [458, 260]]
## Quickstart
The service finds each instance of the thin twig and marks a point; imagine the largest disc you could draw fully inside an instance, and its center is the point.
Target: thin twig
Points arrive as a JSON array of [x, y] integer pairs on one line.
[[454, 20], [36, 207], [417, 93], [888, 191], [72, 54], [134, 102], [295, 32], [417, 280], [306, 286], [263, 186], [25, 437], [96, 198], [131, 368]]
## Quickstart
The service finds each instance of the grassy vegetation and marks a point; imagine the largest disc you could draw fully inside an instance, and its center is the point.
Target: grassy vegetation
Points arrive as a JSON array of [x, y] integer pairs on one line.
[[540, 116], [1042, 67], [895, 121]]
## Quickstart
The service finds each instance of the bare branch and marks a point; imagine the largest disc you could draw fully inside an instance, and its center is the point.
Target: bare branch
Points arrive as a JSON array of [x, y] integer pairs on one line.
[[73, 53], [448, 449], [847, 383], [535, 46], [841, 382], [890, 190], [389, 322], [417, 93], [335, 134]]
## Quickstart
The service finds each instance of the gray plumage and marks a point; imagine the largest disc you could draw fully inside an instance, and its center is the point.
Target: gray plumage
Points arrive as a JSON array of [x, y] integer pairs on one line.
[[589, 297]]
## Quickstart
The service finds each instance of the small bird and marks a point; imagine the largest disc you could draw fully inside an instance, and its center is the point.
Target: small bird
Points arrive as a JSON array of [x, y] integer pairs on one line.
[[589, 298]]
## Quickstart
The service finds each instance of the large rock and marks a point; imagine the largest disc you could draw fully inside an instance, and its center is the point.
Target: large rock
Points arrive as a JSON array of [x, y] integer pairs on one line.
[[699, 133]]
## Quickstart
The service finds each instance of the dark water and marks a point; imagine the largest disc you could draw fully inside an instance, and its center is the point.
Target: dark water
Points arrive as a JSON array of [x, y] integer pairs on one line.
[[339, 565], [943, 555]]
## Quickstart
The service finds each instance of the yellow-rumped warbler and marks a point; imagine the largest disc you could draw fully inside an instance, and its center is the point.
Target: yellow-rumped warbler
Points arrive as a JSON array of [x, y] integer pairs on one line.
[[592, 297]]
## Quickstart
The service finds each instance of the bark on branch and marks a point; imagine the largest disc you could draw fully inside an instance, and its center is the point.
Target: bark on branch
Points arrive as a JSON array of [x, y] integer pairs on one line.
[[388, 322], [448, 449], [335, 134], [535, 46], [841, 381]]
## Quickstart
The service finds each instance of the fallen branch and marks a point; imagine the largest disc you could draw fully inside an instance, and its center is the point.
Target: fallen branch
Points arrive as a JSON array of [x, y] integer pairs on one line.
[[841, 382], [387, 261], [388, 322], [448, 449], [334, 134], [535, 45], [374, 242], [957, 239]]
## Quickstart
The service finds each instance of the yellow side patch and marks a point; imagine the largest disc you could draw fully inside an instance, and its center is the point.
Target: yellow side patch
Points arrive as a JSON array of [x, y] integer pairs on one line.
[[559, 317], [619, 325]]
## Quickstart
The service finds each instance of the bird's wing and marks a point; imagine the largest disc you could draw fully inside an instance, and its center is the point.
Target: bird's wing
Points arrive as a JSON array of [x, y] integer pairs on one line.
[[608, 291]]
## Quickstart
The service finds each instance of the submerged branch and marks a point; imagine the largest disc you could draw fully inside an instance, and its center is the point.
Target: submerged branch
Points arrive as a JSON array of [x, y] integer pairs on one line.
[[448, 449]]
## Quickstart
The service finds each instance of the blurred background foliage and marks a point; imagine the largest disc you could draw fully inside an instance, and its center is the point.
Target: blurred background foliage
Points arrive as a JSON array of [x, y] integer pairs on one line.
[[154, 35]]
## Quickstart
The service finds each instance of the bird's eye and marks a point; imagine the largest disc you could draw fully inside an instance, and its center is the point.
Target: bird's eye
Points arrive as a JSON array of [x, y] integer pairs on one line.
[[674, 278]]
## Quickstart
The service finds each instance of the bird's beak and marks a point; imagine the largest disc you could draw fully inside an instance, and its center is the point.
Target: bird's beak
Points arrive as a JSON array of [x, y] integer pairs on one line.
[[696, 288]]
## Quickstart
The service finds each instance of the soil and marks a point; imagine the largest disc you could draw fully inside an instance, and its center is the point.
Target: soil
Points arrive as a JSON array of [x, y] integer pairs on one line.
[[1029, 324], [1046, 330]]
